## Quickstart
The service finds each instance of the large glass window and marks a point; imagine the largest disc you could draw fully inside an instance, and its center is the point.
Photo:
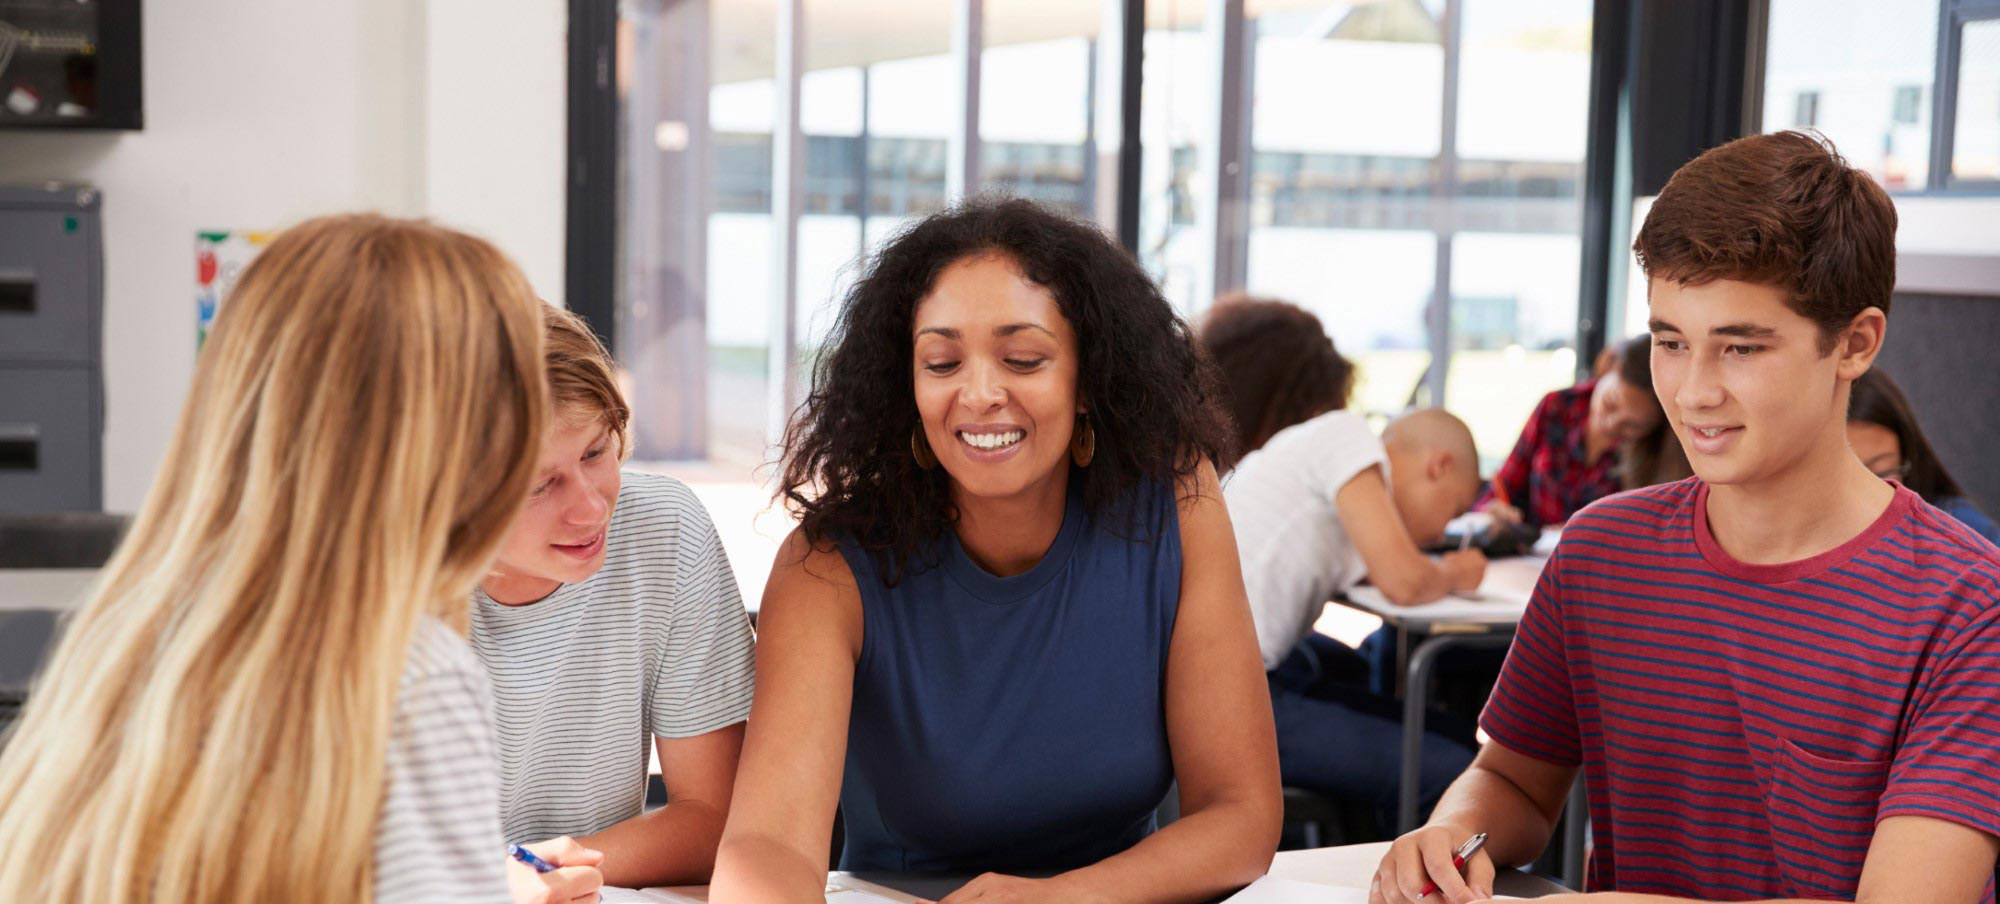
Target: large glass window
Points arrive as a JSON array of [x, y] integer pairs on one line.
[[1356, 195], [1036, 91], [1430, 221], [1975, 147], [1861, 72], [695, 107], [1343, 186], [1176, 92], [1523, 112]]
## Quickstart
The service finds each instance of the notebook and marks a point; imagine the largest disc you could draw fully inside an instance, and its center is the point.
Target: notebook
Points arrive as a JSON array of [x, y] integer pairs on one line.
[[699, 895], [1273, 890]]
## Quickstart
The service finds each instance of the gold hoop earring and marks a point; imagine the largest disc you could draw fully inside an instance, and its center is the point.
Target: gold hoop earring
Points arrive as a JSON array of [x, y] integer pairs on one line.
[[921, 450], [1083, 442]]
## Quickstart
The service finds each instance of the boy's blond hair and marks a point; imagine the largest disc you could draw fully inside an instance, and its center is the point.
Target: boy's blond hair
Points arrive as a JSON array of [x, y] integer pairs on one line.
[[583, 382]]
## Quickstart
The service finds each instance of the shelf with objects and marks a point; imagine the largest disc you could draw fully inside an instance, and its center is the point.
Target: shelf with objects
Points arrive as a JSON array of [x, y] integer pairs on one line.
[[70, 64]]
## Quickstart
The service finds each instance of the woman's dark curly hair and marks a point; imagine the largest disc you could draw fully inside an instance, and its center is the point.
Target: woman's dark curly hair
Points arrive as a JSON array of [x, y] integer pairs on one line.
[[1277, 364], [848, 471]]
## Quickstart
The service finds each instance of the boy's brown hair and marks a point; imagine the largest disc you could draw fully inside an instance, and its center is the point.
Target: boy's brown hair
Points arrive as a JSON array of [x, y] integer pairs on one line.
[[1782, 210], [582, 380]]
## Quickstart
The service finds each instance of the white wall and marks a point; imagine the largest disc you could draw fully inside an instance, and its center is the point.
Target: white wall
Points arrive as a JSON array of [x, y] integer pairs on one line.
[[497, 127], [259, 115]]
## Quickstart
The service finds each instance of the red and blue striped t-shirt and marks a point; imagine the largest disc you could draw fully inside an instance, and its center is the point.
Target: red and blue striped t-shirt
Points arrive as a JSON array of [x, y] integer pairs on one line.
[[1743, 727]]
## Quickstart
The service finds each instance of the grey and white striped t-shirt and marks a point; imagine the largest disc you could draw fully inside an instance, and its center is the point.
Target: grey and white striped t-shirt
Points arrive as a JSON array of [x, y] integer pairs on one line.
[[438, 835], [655, 644]]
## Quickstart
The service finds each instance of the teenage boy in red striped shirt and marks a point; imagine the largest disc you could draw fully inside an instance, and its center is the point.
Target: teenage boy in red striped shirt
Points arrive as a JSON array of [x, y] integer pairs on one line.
[[1780, 677]]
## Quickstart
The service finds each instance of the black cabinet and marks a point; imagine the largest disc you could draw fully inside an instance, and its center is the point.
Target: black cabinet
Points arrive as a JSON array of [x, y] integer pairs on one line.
[[70, 64]]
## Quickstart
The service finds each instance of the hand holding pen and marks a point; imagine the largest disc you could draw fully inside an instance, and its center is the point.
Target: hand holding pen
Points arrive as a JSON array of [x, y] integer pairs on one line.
[[557, 871], [1424, 867], [1458, 858]]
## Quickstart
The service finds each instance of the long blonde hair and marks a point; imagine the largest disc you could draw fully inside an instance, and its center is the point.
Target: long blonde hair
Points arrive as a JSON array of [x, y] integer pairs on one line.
[[212, 728]]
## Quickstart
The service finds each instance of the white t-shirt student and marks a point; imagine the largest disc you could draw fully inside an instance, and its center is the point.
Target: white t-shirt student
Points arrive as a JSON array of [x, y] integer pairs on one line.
[[656, 643], [1296, 555]]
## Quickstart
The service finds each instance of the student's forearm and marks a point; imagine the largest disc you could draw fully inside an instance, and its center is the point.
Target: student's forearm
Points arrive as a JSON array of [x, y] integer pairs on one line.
[[1200, 856], [1482, 800], [753, 867], [1416, 582], [673, 845]]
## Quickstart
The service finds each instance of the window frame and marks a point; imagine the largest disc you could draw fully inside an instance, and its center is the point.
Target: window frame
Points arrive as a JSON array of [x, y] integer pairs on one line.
[[1953, 16]]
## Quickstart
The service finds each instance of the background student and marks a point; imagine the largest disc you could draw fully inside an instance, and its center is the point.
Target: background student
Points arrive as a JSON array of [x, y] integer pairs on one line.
[[1278, 368], [1320, 507], [1012, 615], [1587, 442], [611, 623], [267, 697], [1882, 429], [1778, 676], [1319, 504]]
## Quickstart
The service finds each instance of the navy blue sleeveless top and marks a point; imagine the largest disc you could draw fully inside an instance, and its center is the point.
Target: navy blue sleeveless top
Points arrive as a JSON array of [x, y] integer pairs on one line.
[[1016, 723]]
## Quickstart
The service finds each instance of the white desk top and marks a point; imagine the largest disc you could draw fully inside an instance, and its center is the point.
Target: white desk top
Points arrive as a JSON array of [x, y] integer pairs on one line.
[[1349, 866], [61, 589], [1502, 598], [698, 894]]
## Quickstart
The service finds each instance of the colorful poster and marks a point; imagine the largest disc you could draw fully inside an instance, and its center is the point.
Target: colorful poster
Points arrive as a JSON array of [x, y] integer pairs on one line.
[[219, 257]]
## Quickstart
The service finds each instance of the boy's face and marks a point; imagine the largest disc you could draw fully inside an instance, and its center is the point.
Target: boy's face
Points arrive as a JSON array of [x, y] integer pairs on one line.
[[1742, 380], [560, 535]]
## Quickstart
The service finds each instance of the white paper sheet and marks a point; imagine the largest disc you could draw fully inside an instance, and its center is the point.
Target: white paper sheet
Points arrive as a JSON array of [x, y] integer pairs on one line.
[[700, 896], [1501, 598], [608, 895], [1273, 890]]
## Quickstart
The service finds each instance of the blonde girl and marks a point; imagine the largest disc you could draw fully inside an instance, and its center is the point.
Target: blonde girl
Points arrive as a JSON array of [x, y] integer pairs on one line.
[[262, 700]]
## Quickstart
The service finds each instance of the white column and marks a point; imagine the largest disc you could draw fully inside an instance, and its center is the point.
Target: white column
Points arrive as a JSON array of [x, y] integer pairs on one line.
[[1219, 209], [788, 185], [961, 165]]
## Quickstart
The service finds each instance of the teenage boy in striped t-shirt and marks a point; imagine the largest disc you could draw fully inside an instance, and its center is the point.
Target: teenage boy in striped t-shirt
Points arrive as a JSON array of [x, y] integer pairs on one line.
[[610, 627], [1781, 677]]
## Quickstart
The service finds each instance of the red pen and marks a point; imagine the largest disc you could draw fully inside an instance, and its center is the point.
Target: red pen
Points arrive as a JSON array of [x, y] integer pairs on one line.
[[1458, 858]]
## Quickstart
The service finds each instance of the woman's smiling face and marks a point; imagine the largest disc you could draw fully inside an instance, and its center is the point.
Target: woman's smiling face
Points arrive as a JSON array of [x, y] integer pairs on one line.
[[995, 372]]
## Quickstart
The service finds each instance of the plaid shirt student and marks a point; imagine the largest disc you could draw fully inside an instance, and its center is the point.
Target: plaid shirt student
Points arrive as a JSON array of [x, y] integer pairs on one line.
[[1547, 476]]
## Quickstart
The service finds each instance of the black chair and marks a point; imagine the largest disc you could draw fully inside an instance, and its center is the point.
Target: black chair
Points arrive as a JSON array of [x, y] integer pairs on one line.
[[1315, 820]]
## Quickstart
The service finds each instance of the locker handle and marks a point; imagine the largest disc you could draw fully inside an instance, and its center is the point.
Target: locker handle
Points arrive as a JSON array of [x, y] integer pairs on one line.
[[20, 447], [17, 292]]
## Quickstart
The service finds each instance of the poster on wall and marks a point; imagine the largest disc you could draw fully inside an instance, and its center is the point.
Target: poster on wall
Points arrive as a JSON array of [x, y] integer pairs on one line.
[[219, 257]]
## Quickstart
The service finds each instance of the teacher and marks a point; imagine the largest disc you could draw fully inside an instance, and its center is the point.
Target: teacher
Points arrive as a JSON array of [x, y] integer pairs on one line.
[[1012, 615]]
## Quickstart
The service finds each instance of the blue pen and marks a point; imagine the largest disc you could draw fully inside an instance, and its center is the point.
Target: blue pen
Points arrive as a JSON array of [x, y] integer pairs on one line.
[[528, 857]]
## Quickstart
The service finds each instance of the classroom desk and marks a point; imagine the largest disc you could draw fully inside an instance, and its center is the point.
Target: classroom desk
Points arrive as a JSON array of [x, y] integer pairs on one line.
[[1353, 866], [1349, 866], [1486, 620]]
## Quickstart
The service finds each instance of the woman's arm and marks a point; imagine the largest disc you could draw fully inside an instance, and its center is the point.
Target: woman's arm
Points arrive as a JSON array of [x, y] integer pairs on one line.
[[780, 826], [1225, 748], [675, 844]]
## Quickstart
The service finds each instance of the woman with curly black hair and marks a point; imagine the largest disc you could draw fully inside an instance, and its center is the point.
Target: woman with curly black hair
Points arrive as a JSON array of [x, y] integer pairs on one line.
[[1012, 613]]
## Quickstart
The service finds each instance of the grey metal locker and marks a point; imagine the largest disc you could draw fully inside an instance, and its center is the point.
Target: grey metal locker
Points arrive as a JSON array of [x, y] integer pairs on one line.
[[51, 349]]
